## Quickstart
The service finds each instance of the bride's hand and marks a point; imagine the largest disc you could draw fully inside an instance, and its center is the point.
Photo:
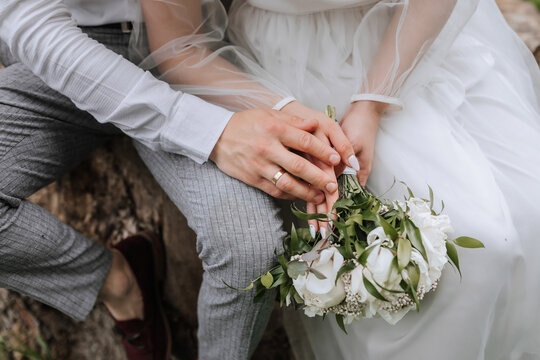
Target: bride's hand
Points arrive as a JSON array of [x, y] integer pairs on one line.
[[330, 133], [360, 124]]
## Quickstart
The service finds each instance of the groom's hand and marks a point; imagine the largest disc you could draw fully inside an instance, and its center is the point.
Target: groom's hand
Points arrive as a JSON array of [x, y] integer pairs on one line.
[[257, 143]]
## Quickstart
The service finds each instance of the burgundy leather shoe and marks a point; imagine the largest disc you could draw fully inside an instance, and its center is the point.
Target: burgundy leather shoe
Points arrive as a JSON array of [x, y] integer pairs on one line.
[[148, 339]]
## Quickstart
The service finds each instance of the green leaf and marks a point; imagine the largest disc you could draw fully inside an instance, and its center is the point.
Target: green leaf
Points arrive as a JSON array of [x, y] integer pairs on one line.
[[339, 320], [349, 266], [330, 111], [282, 261], [362, 259], [412, 293], [282, 279], [354, 219], [294, 244], [414, 275], [413, 233], [305, 216], [283, 291], [249, 287], [303, 234], [267, 280], [388, 229], [372, 289], [343, 204], [349, 254], [453, 255], [319, 275], [468, 242], [358, 247], [404, 251], [296, 268], [430, 198], [408, 189], [297, 298]]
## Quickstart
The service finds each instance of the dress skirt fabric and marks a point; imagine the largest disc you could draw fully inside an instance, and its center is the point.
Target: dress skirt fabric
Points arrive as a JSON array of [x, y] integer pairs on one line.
[[471, 131]]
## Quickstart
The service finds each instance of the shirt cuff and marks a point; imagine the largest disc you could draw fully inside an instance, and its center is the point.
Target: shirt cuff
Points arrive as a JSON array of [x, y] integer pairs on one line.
[[394, 103], [194, 128]]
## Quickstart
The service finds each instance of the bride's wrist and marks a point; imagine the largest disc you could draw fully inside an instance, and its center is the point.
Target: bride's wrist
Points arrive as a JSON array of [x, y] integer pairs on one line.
[[371, 107]]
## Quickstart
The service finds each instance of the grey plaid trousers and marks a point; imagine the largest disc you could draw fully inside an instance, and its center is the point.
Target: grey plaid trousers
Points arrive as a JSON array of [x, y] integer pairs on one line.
[[43, 135]]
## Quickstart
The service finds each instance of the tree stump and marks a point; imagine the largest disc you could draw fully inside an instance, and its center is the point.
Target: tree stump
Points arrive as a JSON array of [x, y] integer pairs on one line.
[[112, 195]]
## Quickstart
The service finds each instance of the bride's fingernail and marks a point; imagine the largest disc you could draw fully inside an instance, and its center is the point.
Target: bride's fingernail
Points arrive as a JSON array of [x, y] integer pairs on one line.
[[353, 161], [334, 159], [312, 231], [323, 232], [331, 187], [330, 224]]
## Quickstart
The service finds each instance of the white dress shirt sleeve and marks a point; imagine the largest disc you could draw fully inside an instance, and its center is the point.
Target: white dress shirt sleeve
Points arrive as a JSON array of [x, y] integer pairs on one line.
[[43, 36]]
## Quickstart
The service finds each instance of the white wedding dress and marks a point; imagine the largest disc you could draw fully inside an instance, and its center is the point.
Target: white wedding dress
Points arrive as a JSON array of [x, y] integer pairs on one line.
[[464, 118]]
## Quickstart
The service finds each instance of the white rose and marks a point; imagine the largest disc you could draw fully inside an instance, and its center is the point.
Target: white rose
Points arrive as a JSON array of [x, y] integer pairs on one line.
[[322, 293], [434, 230]]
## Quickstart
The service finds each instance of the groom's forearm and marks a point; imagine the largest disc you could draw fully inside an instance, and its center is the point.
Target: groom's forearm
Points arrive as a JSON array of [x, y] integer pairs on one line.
[[43, 36]]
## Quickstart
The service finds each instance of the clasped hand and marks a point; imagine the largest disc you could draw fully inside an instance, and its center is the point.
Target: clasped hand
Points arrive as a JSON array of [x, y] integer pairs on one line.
[[307, 144]]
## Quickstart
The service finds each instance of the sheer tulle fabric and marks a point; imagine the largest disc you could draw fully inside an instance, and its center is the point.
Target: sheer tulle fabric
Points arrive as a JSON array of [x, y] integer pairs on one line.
[[469, 126], [199, 62]]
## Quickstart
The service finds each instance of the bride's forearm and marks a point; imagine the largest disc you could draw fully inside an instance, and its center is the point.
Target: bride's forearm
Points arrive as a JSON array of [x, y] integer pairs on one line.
[[183, 58]]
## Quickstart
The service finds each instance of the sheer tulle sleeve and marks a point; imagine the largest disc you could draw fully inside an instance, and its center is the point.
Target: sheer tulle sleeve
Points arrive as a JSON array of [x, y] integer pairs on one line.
[[186, 38], [398, 42]]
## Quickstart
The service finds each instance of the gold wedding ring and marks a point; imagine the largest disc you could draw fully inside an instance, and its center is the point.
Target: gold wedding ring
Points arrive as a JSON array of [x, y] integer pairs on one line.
[[278, 175]]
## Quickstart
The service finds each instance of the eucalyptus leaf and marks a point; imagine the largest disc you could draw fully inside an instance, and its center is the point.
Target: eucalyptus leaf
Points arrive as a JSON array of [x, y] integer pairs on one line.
[[311, 256], [453, 255], [267, 280], [296, 268], [468, 242], [413, 233], [319, 275], [404, 251], [372, 289], [339, 320]]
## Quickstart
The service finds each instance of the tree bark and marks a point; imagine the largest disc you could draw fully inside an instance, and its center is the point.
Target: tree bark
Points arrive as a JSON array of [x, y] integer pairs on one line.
[[112, 195]]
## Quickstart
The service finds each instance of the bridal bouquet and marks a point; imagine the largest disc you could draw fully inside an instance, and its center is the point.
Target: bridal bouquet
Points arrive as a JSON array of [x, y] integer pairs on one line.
[[380, 257]]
